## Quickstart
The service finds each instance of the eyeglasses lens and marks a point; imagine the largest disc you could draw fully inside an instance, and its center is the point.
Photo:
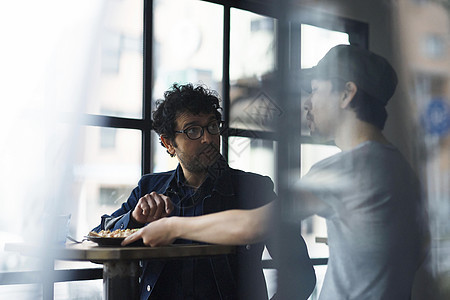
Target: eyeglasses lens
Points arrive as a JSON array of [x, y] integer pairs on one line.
[[196, 132]]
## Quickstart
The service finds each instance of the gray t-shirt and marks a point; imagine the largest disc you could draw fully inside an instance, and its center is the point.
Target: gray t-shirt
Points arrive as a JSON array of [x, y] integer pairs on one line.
[[374, 222]]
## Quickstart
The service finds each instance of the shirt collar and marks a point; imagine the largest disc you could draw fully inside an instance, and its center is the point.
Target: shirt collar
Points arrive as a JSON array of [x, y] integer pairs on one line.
[[171, 183], [220, 174]]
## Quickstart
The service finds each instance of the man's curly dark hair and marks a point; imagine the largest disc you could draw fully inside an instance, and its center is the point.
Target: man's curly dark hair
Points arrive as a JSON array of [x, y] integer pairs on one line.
[[180, 99]]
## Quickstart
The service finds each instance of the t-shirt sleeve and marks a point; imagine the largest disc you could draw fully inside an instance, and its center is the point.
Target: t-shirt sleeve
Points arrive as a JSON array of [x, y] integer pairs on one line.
[[325, 185]]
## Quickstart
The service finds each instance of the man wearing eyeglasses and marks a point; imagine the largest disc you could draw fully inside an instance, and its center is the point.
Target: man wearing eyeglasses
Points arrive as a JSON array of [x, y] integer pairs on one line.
[[188, 122]]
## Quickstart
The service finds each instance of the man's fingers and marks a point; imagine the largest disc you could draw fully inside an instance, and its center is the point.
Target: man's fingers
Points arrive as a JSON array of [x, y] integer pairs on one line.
[[140, 211], [132, 238], [169, 204], [153, 206], [159, 205], [144, 207]]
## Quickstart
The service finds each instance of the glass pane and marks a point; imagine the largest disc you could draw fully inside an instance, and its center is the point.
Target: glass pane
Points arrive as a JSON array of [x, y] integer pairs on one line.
[[36, 181], [68, 170], [116, 63], [188, 42], [21, 291], [315, 43], [247, 154], [320, 275], [91, 61], [161, 159], [108, 168], [252, 62], [426, 65], [310, 154], [314, 229], [83, 289]]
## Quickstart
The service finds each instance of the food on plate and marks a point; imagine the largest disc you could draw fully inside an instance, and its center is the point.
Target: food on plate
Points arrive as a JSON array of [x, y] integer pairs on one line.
[[118, 233]]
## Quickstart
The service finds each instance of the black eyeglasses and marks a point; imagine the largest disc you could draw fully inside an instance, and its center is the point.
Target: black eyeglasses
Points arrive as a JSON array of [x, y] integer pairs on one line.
[[195, 132]]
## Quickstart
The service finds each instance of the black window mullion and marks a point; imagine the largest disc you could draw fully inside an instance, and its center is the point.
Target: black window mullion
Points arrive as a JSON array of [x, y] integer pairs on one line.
[[266, 8], [106, 121], [294, 106], [147, 87], [254, 134], [284, 150], [226, 78]]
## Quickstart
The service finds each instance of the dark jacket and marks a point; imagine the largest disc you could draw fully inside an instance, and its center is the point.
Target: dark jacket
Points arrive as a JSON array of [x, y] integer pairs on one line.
[[237, 276]]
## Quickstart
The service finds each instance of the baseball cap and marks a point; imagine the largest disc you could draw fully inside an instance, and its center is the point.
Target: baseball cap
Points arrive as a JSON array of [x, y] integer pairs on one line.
[[369, 71]]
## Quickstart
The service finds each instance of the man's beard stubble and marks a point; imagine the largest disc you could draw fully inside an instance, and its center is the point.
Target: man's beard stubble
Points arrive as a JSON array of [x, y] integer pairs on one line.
[[200, 163]]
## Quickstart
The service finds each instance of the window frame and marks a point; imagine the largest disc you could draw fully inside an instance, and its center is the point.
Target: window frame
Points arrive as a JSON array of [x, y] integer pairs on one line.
[[290, 28], [357, 31], [288, 32]]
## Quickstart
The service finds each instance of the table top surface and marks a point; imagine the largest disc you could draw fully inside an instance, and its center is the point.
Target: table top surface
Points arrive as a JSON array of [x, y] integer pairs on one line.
[[89, 251]]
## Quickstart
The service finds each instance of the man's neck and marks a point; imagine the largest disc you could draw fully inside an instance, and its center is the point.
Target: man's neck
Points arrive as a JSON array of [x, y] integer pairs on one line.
[[354, 132], [194, 180]]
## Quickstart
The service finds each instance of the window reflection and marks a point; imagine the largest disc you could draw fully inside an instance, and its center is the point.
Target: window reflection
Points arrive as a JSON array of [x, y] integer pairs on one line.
[[107, 169], [252, 62], [426, 71], [187, 47], [115, 73], [315, 43], [257, 156], [188, 42], [252, 155], [314, 226]]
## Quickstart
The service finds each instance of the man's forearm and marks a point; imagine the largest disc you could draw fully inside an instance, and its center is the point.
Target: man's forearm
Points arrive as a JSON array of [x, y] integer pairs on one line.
[[231, 227]]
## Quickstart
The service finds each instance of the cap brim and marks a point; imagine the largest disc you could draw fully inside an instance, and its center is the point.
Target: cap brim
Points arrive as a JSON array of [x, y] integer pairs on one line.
[[306, 75]]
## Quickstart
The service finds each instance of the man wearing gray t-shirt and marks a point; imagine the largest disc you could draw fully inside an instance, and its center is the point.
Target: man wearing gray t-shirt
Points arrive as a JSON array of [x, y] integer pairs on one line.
[[368, 193]]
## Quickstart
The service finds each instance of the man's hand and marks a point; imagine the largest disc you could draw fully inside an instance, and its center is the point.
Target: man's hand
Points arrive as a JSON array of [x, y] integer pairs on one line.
[[152, 207], [157, 233]]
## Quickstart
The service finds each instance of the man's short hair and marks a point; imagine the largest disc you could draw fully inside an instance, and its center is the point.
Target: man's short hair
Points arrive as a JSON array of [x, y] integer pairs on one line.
[[181, 99], [367, 108]]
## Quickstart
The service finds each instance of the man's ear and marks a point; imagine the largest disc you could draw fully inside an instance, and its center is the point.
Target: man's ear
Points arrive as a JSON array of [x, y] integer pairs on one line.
[[168, 144], [349, 94]]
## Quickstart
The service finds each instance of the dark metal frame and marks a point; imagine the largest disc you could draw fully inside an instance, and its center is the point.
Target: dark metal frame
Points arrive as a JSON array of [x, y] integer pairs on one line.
[[288, 57], [28, 277], [358, 34]]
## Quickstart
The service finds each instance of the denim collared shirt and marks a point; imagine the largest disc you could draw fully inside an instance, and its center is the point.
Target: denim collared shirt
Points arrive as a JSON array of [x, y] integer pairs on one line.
[[234, 276]]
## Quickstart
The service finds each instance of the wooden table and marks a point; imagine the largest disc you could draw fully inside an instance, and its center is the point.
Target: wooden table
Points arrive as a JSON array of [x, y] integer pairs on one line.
[[121, 268]]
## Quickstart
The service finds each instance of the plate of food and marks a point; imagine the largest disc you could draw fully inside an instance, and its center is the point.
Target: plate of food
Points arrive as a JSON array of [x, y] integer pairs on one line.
[[112, 238]]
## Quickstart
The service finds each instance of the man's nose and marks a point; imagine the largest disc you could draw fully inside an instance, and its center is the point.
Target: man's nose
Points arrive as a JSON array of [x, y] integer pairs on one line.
[[307, 105], [206, 137]]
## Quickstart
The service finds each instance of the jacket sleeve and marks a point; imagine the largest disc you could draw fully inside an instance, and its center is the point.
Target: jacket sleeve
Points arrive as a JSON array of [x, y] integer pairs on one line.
[[121, 218], [296, 275], [254, 191]]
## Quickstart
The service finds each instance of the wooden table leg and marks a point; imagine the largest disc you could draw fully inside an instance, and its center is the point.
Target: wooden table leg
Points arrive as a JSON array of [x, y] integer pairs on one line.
[[121, 280]]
